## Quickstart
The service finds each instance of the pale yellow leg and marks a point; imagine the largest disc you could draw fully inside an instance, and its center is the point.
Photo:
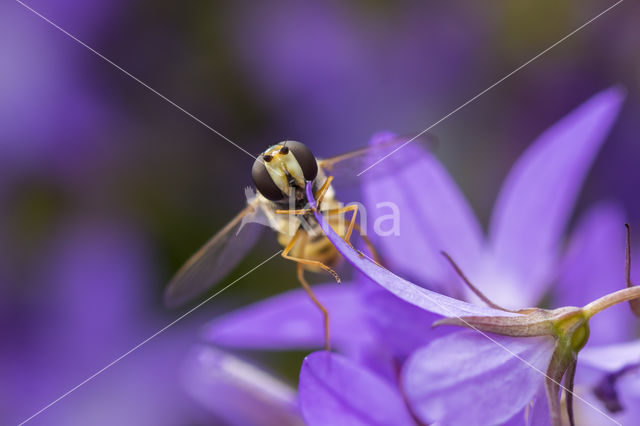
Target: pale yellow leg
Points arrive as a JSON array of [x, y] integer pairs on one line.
[[369, 245], [350, 208], [293, 212], [289, 247], [300, 272], [325, 313], [352, 225], [319, 196]]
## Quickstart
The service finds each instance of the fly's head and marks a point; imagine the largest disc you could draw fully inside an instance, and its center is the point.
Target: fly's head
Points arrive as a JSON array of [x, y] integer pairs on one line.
[[282, 171]]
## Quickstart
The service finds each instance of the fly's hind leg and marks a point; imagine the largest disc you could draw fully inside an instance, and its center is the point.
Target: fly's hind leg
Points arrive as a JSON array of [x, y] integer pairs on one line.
[[301, 233], [325, 313], [300, 269]]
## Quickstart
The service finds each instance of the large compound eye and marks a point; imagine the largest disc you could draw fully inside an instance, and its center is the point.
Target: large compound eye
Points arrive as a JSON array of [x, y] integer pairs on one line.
[[263, 182], [305, 158]]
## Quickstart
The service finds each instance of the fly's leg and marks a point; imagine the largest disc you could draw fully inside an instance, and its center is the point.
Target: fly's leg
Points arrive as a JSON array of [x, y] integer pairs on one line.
[[285, 253], [353, 225], [325, 313], [369, 244], [293, 212], [319, 196], [301, 262], [342, 210]]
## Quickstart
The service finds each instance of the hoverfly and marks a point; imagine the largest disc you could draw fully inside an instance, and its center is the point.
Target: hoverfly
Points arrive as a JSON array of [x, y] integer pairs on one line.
[[279, 175]]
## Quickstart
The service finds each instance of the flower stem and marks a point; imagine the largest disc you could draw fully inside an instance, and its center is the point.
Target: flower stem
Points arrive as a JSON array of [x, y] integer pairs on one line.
[[609, 300]]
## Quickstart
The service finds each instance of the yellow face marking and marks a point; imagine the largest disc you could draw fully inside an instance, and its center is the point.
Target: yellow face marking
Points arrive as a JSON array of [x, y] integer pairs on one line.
[[282, 165]]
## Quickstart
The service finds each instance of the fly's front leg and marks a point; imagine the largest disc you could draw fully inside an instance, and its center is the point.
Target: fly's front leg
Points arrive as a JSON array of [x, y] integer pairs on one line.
[[342, 210], [353, 225], [294, 212], [319, 196]]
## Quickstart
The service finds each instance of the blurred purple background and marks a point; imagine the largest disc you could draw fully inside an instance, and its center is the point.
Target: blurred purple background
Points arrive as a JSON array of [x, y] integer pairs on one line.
[[105, 188]]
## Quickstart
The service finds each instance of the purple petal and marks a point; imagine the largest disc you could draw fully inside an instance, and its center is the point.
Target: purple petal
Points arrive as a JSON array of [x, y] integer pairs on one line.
[[291, 320], [611, 358], [538, 196], [465, 378], [433, 215], [629, 390], [399, 326], [375, 357], [536, 413], [593, 267], [335, 391], [238, 392], [539, 414], [407, 291], [618, 363]]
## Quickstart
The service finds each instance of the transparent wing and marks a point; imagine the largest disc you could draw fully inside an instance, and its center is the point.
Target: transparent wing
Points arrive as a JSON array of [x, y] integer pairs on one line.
[[216, 258], [375, 160]]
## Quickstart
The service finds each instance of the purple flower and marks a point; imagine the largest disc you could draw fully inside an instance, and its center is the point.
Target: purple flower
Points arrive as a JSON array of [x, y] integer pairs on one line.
[[546, 245], [441, 219], [335, 390], [379, 329], [441, 380], [536, 351], [517, 261]]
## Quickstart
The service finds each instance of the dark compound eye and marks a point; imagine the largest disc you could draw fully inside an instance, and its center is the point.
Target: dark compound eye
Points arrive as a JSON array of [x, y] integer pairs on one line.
[[305, 158], [267, 158], [284, 150], [263, 182]]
